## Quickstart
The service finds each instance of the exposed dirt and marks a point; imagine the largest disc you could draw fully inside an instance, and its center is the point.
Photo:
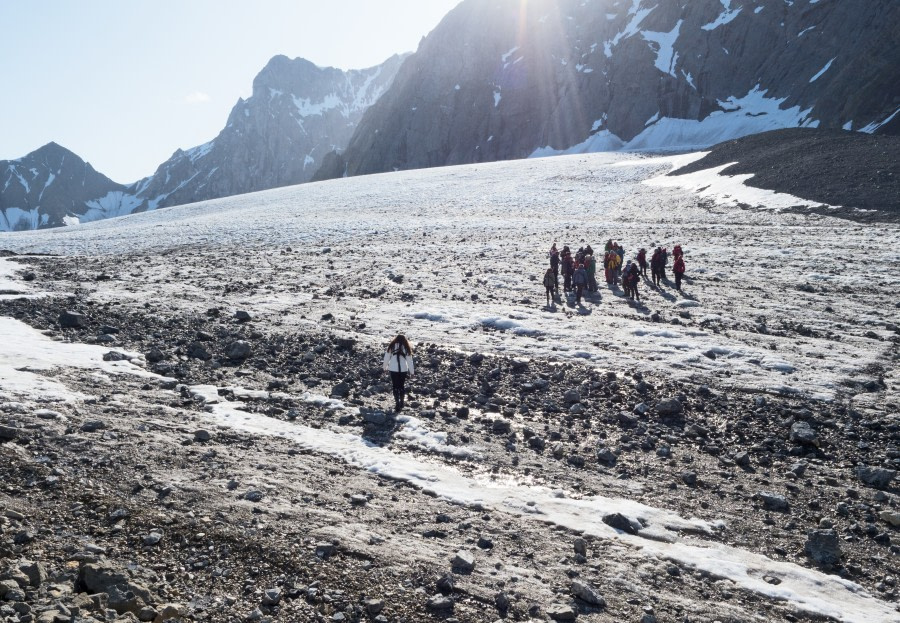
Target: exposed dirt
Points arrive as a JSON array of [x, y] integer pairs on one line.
[[849, 169]]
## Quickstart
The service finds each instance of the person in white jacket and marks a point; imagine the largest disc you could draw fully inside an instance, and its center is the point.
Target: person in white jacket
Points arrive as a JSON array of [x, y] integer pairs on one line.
[[398, 360]]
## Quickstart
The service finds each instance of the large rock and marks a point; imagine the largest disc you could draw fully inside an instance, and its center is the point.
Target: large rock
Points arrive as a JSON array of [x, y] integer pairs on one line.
[[669, 406], [238, 351], [877, 477], [125, 595], [773, 501], [71, 320], [803, 433], [823, 546]]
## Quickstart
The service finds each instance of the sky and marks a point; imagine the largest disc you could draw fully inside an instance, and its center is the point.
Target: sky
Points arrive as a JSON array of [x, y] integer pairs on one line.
[[123, 84]]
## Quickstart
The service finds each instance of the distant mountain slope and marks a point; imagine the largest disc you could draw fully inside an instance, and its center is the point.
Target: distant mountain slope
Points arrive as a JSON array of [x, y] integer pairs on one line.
[[51, 185], [298, 113], [850, 169], [511, 79]]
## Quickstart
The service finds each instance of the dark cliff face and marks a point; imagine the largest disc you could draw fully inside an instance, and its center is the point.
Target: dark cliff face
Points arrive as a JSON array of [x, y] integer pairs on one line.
[[49, 184], [502, 79], [297, 114]]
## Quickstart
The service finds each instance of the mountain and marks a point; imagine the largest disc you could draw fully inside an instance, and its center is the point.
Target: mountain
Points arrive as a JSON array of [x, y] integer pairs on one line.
[[298, 113], [52, 186], [510, 79]]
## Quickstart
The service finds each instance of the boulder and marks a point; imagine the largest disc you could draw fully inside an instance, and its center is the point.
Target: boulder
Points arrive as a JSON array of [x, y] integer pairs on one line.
[[877, 477], [823, 547], [238, 351], [803, 433], [669, 406]]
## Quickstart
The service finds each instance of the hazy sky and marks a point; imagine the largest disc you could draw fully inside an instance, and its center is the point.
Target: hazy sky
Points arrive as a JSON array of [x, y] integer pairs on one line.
[[124, 83]]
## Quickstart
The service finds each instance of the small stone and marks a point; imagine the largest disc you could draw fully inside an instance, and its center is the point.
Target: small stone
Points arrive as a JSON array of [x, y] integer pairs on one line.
[[202, 435], [374, 606], [271, 597], [242, 316], [359, 500], [620, 522], [464, 561], [71, 320], [588, 594], [891, 517], [561, 612], [440, 602], [581, 547], [689, 478], [742, 458], [153, 538], [773, 501], [325, 550]]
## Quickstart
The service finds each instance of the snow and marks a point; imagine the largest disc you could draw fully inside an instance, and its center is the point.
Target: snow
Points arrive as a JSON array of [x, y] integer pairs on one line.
[[804, 31], [50, 177], [724, 17], [26, 353], [664, 534], [196, 153], [307, 108], [666, 56], [875, 125], [497, 98], [633, 27], [848, 126], [17, 219], [822, 71], [742, 116], [728, 189], [114, 203], [510, 52]]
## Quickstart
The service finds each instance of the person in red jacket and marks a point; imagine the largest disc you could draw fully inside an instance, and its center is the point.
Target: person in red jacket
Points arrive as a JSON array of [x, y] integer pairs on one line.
[[642, 261], [678, 269]]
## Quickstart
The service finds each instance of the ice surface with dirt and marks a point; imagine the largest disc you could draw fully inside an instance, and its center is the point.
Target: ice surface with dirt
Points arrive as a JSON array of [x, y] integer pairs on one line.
[[775, 300], [662, 534]]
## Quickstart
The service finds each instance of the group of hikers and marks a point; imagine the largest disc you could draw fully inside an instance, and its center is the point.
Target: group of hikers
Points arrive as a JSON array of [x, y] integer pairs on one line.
[[579, 270]]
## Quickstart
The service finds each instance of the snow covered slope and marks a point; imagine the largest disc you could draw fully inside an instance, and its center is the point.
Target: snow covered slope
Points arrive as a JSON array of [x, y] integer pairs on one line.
[[510, 79]]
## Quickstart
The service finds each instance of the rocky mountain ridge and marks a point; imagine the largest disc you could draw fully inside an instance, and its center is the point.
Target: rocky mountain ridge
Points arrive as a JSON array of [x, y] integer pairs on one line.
[[572, 76]]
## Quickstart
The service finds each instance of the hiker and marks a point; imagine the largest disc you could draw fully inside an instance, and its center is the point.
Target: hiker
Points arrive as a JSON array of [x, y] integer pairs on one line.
[[656, 265], [678, 269], [630, 278], [398, 360], [614, 266], [568, 267], [665, 262], [642, 262], [549, 284], [580, 280], [590, 267], [554, 266], [677, 252]]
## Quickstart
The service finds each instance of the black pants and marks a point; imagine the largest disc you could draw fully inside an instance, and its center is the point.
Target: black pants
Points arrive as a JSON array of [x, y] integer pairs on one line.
[[677, 281], [398, 380]]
